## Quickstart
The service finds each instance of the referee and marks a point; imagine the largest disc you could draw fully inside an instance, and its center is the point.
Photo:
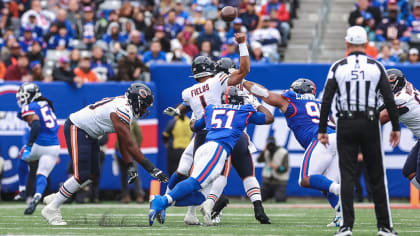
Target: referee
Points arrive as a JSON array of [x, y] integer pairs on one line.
[[357, 81]]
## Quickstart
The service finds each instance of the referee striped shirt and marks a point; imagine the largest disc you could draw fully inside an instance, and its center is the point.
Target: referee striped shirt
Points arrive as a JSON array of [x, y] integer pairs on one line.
[[357, 80]]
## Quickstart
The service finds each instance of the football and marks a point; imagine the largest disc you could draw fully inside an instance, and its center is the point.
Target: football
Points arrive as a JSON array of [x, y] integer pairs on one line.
[[229, 13]]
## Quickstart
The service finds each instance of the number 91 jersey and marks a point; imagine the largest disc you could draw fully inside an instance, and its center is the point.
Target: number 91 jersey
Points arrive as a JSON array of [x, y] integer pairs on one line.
[[49, 126], [302, 116]]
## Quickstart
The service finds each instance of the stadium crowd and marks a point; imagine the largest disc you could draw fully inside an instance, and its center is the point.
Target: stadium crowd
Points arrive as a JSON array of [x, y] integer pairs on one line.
[[102, 40], [393, 28]]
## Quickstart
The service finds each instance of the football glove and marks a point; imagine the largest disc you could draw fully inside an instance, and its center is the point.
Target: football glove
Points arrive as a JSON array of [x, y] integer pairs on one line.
[[132, 173], [250, 99], [170, 111], [158, 174], [25, 152]]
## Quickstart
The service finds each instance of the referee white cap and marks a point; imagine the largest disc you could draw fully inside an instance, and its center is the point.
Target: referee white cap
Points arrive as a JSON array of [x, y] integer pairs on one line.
[[356, 35]]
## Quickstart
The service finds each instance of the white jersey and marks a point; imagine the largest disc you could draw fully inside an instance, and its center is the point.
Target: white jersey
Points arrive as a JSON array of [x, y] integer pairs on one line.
[[95, 119], [200, 95], [408, 101]]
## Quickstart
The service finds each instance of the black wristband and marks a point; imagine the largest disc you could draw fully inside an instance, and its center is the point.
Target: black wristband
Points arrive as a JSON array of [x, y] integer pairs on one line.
[[35, 130], [147, 165]]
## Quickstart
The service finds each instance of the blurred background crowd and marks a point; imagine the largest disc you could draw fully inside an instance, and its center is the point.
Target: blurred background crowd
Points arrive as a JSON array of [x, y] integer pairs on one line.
[[102, 40]]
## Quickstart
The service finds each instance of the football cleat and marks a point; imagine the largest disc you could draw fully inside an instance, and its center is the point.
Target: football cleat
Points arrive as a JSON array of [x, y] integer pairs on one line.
[[344, 231], [48, 199], [157, 204], [218, 207], [217, 219], [20, 196], [382, 231], [336, 222], [191, 217], [161, 216], [260, 214], [53, 216], [206, 209], [32, 205]]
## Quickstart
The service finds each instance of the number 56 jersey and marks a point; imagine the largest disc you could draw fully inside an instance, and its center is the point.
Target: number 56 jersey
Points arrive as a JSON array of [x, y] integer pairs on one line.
[[95, 119], [49, 126], [302, 116]]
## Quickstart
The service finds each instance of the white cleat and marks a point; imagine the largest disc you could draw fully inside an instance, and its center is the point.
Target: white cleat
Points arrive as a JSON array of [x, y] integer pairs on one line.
[[216, 220], [53, 216], [336, 222], [191, 219], [206, 209], [48, 199]]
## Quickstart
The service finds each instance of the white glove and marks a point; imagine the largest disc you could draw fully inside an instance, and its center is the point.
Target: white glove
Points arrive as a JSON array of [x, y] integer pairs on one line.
[[253, 101], [170, 111]]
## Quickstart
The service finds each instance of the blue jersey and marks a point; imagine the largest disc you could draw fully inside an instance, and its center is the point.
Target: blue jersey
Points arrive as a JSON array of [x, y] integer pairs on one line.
[[226, 123], [49, 125], [302, 116]]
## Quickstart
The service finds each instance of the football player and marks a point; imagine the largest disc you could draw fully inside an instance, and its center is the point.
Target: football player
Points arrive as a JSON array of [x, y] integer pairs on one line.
[[407, 99], [82, 130], [43, 144], [319, 169], [225, 124]]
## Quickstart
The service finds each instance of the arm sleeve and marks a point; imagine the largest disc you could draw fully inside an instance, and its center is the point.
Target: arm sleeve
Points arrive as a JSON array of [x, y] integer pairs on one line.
[[200, 124], [35, 130], [389, 101], [257, 118], [329, 92], [123, 115]]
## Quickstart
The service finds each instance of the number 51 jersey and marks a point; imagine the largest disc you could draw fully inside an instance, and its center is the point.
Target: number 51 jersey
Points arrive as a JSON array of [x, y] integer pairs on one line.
[[95, 119], [49, 126], [302, 116]]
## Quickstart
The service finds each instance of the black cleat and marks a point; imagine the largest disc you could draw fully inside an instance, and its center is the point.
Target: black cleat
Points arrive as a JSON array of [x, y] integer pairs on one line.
[[383, 231], [260, 214], [32, 205], [218, 207]]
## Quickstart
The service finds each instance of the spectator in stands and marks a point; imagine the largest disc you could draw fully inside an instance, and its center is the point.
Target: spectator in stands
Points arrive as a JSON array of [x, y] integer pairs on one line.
[[269, 38], [163, 38], [155, 54], [207, 50], [74, 58], [363, 12], [237, 27], [181, 14], [413, 57], [18, 72], [177, 54], [52, 31], [391, 28], [27, 40], [84, 70], [2, 70], [63, 71], [231, 51], [36, 71], [257, 55], [130, 67], [186, 38], [209, 34], [250, 18], [114, 35], [100, 66], [74, 15], [176, 137], [282, 26], [396, 50], [276, 171], [43, 17], [61, 41], [33, 26], [87, 29], [35, 53], [385, 56], [209, 7], [198, 19], [171, 26], [282, 12], [413, 21], [136, 38], [402, 6], [370, 27], [15, 52], [142, 26], [63, 21]]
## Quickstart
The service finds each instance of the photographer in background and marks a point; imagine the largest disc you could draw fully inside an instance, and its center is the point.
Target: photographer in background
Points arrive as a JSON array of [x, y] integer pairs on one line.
[[276, 171]]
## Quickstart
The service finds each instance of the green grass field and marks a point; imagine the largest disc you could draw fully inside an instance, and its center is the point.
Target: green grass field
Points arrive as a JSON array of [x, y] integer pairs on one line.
[[297, 218]]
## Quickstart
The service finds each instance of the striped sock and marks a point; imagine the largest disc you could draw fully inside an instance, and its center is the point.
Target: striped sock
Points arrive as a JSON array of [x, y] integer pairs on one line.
[[252, 188], [66, 191], [212, 197]]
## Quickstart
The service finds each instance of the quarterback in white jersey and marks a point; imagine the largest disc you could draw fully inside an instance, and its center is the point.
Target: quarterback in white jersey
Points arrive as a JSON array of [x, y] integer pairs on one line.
[[407, 99], [82, 130]]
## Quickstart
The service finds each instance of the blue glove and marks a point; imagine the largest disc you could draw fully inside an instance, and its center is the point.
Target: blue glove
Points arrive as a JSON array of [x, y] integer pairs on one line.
[[25, 152]]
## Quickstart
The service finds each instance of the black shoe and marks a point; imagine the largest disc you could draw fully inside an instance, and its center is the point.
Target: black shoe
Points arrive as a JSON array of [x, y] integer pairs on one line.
[[219, 205], [260, 214], [383, 231], [32, 205], [344, 231]]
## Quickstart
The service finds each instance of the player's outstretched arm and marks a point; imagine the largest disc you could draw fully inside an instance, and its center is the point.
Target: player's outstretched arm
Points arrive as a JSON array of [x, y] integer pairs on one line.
[[128, 149], [269, 118], [180, 109], [244, 65], [268, 97]]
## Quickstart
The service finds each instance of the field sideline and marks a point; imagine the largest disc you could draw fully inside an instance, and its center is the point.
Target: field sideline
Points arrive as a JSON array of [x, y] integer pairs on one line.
[[238, 219]]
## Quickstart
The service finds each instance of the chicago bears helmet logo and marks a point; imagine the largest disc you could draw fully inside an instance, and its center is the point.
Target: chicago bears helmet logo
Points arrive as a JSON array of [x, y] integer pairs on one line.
[[143, 93]]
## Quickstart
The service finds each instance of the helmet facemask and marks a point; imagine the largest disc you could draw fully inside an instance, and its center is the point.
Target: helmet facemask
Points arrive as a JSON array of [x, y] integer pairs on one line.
[[24, 96]]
